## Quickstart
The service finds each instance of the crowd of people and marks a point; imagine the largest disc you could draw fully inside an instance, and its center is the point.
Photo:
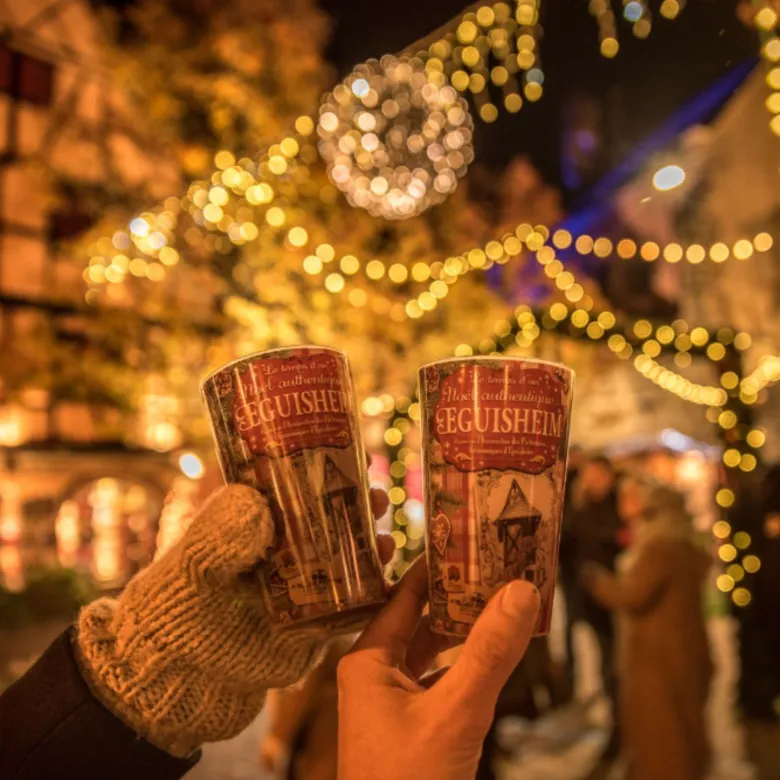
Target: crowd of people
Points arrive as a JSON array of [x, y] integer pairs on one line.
[[633, 570]]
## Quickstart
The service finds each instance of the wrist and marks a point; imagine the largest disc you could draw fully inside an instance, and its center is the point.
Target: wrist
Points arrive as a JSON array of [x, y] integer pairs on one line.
[[152, 658], [181, 662], [187, 652], [130, 680]]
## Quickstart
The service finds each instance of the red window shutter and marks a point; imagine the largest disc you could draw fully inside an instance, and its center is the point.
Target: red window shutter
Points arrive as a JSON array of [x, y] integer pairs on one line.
[[6, 69], [36, 79]]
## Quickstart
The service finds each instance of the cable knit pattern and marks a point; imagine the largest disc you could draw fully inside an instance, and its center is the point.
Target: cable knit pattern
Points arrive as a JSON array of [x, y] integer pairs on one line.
[[185, 655]]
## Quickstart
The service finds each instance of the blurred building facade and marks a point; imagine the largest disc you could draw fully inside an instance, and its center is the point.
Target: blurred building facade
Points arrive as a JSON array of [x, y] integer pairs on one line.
[[81, 473], [738, 199]]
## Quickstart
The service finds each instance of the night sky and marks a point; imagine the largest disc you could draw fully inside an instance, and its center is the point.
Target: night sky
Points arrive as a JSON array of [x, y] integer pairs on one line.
[[636, 91]]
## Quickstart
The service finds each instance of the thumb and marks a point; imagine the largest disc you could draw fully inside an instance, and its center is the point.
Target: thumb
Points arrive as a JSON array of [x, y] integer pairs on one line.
[[231, 535], [495, 646]]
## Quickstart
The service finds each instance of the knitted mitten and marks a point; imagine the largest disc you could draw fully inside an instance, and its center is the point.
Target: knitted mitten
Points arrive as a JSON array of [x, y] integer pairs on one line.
[[185, 655]]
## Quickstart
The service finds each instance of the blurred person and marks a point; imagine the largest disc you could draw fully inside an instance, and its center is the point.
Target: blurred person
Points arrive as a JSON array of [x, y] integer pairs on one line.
[[394, 721], [759, 640], [664, 662], [593, 530], [303, 722], [766, 581], [754, 511], [568, 575], [534, 687], [186, 654]]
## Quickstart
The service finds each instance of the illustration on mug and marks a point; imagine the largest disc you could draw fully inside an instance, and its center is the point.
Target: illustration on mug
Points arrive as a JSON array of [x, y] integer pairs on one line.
[[495, 449]]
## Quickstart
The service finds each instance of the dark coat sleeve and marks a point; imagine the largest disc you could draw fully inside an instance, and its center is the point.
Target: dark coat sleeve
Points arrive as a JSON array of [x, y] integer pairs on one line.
[[51, 726]]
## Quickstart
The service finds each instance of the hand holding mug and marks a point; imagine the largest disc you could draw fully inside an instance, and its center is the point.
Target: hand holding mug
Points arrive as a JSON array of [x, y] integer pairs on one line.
[[391, 724]]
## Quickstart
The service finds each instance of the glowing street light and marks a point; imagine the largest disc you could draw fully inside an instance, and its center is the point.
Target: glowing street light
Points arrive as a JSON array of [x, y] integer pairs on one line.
[[633, 11], [668, 177], [191, 465]]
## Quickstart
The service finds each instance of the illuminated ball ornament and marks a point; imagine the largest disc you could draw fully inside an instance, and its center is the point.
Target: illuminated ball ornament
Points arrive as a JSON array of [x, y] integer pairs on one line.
[[394, 140]]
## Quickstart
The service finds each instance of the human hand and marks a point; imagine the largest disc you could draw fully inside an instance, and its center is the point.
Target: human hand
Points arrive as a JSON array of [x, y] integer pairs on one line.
[[393, 723], [186, 654]]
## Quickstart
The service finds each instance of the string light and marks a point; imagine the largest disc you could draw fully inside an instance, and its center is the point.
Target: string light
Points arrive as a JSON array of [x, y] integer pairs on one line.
[[601, 10], [191, 465], [724, 583], [492, 32], [766, 22], [741, 597], [240, 177], [645, 363], [670, 9], [673, 252], [509, 247], [626, 248], [725, 498], [767, 372], [678, 385]]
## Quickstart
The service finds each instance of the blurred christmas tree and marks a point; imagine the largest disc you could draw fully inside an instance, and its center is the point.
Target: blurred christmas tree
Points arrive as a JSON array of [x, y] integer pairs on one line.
[[210, 75], [203, 76]]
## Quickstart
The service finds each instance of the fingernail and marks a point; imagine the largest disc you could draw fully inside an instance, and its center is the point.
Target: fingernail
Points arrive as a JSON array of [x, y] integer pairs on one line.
[[519, 599]]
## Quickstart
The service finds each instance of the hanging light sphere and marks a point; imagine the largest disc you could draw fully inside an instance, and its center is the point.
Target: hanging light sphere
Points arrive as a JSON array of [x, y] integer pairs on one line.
[[394, 141]]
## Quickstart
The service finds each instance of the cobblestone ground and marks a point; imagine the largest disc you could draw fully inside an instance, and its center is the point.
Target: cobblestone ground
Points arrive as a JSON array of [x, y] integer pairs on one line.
[[563, 746], [233, 760]]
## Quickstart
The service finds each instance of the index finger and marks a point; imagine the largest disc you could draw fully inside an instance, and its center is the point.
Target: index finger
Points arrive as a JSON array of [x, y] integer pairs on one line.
[[393, 628]]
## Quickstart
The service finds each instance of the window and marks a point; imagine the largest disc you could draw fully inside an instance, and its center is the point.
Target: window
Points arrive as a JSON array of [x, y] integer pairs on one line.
[[6, 69], [35, 79], [25, 77], [65, 225]]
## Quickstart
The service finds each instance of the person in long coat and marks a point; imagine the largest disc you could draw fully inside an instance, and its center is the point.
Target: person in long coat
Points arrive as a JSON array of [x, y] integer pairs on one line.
[[664, 664], [590, 535]]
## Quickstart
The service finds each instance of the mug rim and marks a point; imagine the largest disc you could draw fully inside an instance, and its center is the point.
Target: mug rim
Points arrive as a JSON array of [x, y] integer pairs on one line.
[[498, 358], [266, 352]]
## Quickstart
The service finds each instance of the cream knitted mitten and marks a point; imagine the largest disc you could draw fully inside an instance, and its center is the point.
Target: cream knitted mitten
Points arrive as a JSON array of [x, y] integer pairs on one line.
[[185, 655]]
